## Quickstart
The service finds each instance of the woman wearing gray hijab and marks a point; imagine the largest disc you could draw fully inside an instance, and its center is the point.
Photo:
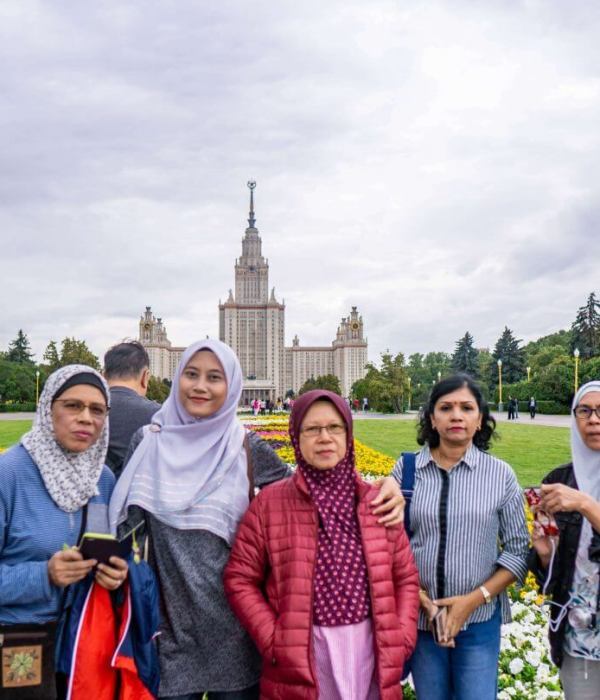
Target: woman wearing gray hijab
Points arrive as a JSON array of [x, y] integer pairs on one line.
[[47, 481], [567, 566]]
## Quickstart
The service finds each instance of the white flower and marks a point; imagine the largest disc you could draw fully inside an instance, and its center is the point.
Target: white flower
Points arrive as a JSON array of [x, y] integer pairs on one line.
[[516, 666], [533, 657]]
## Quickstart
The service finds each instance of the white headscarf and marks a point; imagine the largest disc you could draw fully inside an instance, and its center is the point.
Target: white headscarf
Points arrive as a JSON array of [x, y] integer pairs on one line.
[[71, 478], [190, 473], [586, 462]]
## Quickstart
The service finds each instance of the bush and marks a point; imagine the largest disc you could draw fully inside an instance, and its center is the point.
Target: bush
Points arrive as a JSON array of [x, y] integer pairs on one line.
[[25, 407]]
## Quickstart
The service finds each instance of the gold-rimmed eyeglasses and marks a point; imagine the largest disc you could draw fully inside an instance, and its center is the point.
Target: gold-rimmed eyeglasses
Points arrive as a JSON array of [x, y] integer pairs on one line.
[[314, 431], [74, 407]]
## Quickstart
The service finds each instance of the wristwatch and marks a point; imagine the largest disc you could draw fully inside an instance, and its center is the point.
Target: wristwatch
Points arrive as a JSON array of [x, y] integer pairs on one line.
[[486, 594]]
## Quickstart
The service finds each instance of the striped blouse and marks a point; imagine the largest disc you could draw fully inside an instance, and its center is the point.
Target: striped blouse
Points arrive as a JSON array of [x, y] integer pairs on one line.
[[466, 521]]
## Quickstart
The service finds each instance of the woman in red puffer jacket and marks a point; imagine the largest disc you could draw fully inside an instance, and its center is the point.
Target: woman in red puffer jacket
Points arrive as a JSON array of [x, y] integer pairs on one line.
[[329, 595]]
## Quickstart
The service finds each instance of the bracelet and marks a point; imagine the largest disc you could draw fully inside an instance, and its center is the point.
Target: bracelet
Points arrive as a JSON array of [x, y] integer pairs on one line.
[[486, 594]]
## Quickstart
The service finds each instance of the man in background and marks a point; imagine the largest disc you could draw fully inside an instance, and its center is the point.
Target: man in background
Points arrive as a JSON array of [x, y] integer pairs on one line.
[[127, 371]]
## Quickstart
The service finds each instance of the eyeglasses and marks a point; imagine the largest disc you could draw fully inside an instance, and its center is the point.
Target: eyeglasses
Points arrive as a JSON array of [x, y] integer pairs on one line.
[[74, 407], [585, 412], [315, 430]]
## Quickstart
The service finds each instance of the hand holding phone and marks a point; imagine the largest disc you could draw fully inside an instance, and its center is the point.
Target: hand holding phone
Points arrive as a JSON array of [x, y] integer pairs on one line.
[[102, 547], [438, 628]]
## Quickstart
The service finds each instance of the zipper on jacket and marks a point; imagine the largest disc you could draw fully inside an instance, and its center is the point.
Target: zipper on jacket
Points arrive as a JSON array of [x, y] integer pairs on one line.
[[375, 645], [311, 648]]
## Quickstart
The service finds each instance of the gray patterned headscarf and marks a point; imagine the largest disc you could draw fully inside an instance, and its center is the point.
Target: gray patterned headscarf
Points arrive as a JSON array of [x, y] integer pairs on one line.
[[70, 477]]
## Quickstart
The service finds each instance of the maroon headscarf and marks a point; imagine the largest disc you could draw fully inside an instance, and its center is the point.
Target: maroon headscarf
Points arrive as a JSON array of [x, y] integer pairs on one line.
[[341, 579]]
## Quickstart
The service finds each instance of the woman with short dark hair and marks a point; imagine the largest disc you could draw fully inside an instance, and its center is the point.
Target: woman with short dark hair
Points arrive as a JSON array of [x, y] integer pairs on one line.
[[470, 541]]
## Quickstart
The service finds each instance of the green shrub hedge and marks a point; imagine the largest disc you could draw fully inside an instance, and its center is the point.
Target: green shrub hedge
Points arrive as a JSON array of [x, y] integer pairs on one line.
[[26, 407]]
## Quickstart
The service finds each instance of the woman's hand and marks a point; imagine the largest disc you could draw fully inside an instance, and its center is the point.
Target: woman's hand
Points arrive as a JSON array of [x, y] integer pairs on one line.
[[560, 498], [68, 566], [429, 607], [111, 577], [390, 502], [458, 610], [542, 544]]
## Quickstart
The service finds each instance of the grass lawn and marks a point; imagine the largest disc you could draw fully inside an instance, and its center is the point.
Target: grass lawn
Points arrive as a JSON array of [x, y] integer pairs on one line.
[[532, 450], [11, 431]]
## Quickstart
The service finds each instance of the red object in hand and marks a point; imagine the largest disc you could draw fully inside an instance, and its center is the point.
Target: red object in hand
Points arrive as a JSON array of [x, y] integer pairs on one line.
[[546, 522]]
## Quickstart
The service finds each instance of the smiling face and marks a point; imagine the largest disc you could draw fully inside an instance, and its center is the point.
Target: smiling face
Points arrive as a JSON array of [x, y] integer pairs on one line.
[[323, 450], [456, 417], [202, 385], [78, 430], [589, 428]]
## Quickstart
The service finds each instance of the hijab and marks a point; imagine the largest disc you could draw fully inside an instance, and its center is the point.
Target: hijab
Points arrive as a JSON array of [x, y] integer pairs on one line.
[[341, 579], [190, 473], [586, 462], [71, 478]]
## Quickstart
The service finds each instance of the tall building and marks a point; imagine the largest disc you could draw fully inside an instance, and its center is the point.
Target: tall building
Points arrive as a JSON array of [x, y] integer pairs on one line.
[[252, 322]]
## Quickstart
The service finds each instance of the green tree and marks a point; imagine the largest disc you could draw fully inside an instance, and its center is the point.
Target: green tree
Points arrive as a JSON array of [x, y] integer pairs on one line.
[[465, 354], [585, 330], [17, 381], [51, 357], [19, 350], [74, 351], [325, 381], [509, 350], [158, 390]]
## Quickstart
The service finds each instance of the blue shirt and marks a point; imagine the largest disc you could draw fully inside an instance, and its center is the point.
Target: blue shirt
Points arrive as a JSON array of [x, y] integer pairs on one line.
[[32, 529], [466, 521]]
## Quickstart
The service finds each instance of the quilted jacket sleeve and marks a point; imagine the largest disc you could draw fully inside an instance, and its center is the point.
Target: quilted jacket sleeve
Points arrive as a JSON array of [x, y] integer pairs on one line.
[[406, 585], [245, 577]]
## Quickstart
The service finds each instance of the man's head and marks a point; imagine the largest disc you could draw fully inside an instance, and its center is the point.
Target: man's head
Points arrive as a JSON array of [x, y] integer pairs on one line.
[[127, 364]]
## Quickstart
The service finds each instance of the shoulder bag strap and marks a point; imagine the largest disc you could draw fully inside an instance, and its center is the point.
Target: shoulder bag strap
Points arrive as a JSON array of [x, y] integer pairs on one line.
[[409, 461], [250, 466]]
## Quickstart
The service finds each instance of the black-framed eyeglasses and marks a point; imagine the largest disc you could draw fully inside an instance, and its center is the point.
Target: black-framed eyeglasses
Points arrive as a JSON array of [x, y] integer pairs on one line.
[[74, 407], [585, 412]]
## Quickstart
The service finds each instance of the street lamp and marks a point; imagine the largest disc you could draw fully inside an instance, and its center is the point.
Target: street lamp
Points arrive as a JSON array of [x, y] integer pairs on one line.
[[576, 356], [37, 387], [409, 394], [528, 374], [500, 405], [439, 375]]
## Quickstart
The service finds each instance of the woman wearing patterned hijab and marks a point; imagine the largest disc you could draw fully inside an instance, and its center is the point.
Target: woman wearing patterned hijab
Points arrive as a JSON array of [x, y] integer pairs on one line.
[[45, 481], [329, 595], [568, 567]]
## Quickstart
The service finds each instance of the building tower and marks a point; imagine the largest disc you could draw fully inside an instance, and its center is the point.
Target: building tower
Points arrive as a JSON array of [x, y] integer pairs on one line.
[[252, 322]]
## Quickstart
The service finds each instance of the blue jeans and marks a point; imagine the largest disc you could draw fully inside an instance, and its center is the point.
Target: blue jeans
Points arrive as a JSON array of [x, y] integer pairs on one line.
[[245, 694], [467, 672]]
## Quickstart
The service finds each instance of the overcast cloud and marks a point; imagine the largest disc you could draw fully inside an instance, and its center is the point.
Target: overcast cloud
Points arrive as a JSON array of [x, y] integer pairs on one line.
[[433, 163]]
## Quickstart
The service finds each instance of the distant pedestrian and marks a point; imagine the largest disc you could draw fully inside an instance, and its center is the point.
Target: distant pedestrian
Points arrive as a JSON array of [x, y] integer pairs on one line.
[[355, 405], [511, 408], [532, 407], [516, 407]]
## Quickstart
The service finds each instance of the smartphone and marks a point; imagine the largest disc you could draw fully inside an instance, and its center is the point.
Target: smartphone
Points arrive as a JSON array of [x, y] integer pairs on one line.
[[547, 522], [102, 547], [437, 625]]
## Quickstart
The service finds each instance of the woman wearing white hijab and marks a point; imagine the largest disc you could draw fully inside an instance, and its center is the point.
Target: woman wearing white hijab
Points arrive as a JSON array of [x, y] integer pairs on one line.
[[569, 569], [46, 482], [188, 473]]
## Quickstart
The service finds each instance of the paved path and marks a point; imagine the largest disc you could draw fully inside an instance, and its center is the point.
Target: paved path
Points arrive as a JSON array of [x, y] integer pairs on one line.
[[17, 416], [554, 421]]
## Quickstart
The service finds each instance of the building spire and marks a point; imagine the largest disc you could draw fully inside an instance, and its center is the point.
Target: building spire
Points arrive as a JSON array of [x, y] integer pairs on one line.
[[251, 219]]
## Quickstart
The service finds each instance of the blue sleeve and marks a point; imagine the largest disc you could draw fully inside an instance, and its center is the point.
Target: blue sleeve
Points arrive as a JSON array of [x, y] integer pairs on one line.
[[20, 583]]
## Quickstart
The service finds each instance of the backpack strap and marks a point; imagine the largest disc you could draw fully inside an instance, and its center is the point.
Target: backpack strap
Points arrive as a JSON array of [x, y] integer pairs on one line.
[[250, 466], [409, 463]]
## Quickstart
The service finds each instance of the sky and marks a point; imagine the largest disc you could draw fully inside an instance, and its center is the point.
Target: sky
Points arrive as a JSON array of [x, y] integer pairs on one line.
[[433, 163]]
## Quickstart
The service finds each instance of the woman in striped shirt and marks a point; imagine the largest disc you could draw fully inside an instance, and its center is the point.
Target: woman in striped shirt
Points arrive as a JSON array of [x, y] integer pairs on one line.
[[470, 542]]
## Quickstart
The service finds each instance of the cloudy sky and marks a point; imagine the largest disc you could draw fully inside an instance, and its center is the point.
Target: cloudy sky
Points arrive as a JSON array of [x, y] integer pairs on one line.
[[433, 163]]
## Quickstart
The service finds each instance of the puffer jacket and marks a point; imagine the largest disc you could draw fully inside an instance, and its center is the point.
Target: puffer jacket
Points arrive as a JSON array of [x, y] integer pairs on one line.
[[269, 582]]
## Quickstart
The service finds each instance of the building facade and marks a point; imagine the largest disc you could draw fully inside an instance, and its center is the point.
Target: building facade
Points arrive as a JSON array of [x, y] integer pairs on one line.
[[252, 323]]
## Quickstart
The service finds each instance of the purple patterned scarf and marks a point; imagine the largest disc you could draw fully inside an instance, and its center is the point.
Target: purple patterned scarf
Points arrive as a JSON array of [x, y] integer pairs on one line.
[[341, 580]]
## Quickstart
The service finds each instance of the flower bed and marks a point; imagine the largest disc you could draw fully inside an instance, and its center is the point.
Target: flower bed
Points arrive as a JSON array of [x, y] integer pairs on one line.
[[525, 671]]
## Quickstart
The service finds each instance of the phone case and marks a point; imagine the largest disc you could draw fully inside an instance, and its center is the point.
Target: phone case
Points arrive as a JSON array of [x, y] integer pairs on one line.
[[103, 547]]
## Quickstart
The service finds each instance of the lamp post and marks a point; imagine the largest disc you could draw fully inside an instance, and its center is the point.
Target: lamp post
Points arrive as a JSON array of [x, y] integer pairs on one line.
[[409, 394], [439, 375], [528, 374], [37, 387], [576, 356], [500, 404]]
